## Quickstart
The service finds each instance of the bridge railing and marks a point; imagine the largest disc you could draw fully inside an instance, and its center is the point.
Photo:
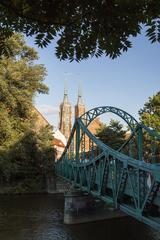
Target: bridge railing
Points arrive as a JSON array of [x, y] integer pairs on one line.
[[131, 184]]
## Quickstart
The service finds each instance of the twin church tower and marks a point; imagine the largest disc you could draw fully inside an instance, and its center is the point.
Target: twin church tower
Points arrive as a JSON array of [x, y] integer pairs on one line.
[[65, 124]]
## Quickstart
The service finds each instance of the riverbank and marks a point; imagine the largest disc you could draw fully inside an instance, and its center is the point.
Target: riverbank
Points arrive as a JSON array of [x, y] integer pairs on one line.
[[22, 187], [32, 185]]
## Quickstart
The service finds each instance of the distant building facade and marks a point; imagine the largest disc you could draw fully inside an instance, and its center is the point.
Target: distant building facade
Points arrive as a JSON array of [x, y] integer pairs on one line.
[[40, 120], [59, 143], [65, 123], [65, 116], [62, 135]]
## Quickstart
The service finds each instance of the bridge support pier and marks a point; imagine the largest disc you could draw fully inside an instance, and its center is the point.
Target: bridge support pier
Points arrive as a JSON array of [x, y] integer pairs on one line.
[[80, 207], [56, 185]]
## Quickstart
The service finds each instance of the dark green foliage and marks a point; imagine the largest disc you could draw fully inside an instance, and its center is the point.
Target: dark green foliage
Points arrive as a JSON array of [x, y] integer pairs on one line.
[[82, 28], [34, 153], [113, 135], [24, 153], [150, 113], [150, 116]]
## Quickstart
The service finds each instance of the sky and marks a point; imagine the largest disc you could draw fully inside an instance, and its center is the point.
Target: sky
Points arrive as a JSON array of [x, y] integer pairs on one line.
[[125, 82]]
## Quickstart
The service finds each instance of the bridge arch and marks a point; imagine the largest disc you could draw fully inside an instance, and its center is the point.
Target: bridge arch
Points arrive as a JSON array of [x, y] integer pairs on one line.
[[112, 175], [90, 115]]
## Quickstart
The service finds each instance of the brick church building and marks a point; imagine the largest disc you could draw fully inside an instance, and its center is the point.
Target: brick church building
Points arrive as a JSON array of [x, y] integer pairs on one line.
[[66, 115]]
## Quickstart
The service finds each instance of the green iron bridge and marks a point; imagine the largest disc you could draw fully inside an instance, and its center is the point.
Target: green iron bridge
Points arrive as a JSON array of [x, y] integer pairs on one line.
[[129, 178]]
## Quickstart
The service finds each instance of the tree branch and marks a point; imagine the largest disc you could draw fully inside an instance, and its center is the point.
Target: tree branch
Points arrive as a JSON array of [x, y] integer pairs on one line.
[[33, 19]]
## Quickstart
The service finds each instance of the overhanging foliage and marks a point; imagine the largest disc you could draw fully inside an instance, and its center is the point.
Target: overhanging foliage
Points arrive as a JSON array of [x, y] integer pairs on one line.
[[82, 28]]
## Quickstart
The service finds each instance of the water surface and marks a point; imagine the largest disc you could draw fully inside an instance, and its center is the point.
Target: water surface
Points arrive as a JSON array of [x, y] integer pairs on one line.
[[40, 217]]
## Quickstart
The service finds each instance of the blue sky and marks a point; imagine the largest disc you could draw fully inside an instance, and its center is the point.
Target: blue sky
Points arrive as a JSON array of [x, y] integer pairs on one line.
[[126, 82]]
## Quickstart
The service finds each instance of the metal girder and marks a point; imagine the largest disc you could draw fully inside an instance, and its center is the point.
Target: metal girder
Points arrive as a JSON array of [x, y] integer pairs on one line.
[[130, 184], [89, 116]]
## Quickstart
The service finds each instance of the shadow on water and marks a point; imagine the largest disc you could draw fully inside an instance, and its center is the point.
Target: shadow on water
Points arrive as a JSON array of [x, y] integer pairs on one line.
[[40, 217], [126, 229]]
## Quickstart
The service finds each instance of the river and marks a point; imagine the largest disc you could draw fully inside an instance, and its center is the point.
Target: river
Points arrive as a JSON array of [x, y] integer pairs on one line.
[[40, 217]]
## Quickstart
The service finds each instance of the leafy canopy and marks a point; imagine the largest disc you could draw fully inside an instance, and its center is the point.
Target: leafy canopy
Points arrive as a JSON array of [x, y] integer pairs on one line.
[[82, 28], [21, 147], [20, 79], [113, 135], [150, 116], [150, 113]]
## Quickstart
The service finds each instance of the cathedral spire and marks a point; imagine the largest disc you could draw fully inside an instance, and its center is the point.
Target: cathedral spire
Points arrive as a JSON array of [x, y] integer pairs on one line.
[[65, 98], [65, 115], [79, 100], [80, 107]]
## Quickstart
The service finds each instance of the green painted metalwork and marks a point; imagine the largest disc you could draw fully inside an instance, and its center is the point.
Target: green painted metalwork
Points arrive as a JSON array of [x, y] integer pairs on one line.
[[89, 116], [129, 182]]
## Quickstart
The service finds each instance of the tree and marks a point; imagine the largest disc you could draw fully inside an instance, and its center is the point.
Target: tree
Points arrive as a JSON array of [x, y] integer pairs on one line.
[[21, 147], [150, 116], [82, 28], [113, 135], [20, 79], [150, 113]]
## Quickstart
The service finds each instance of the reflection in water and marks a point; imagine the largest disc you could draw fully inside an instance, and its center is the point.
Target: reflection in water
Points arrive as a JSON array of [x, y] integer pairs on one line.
[[40, 217]]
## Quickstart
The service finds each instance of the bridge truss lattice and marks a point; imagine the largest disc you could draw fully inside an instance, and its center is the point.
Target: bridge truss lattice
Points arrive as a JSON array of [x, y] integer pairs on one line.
[[129, 179]]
